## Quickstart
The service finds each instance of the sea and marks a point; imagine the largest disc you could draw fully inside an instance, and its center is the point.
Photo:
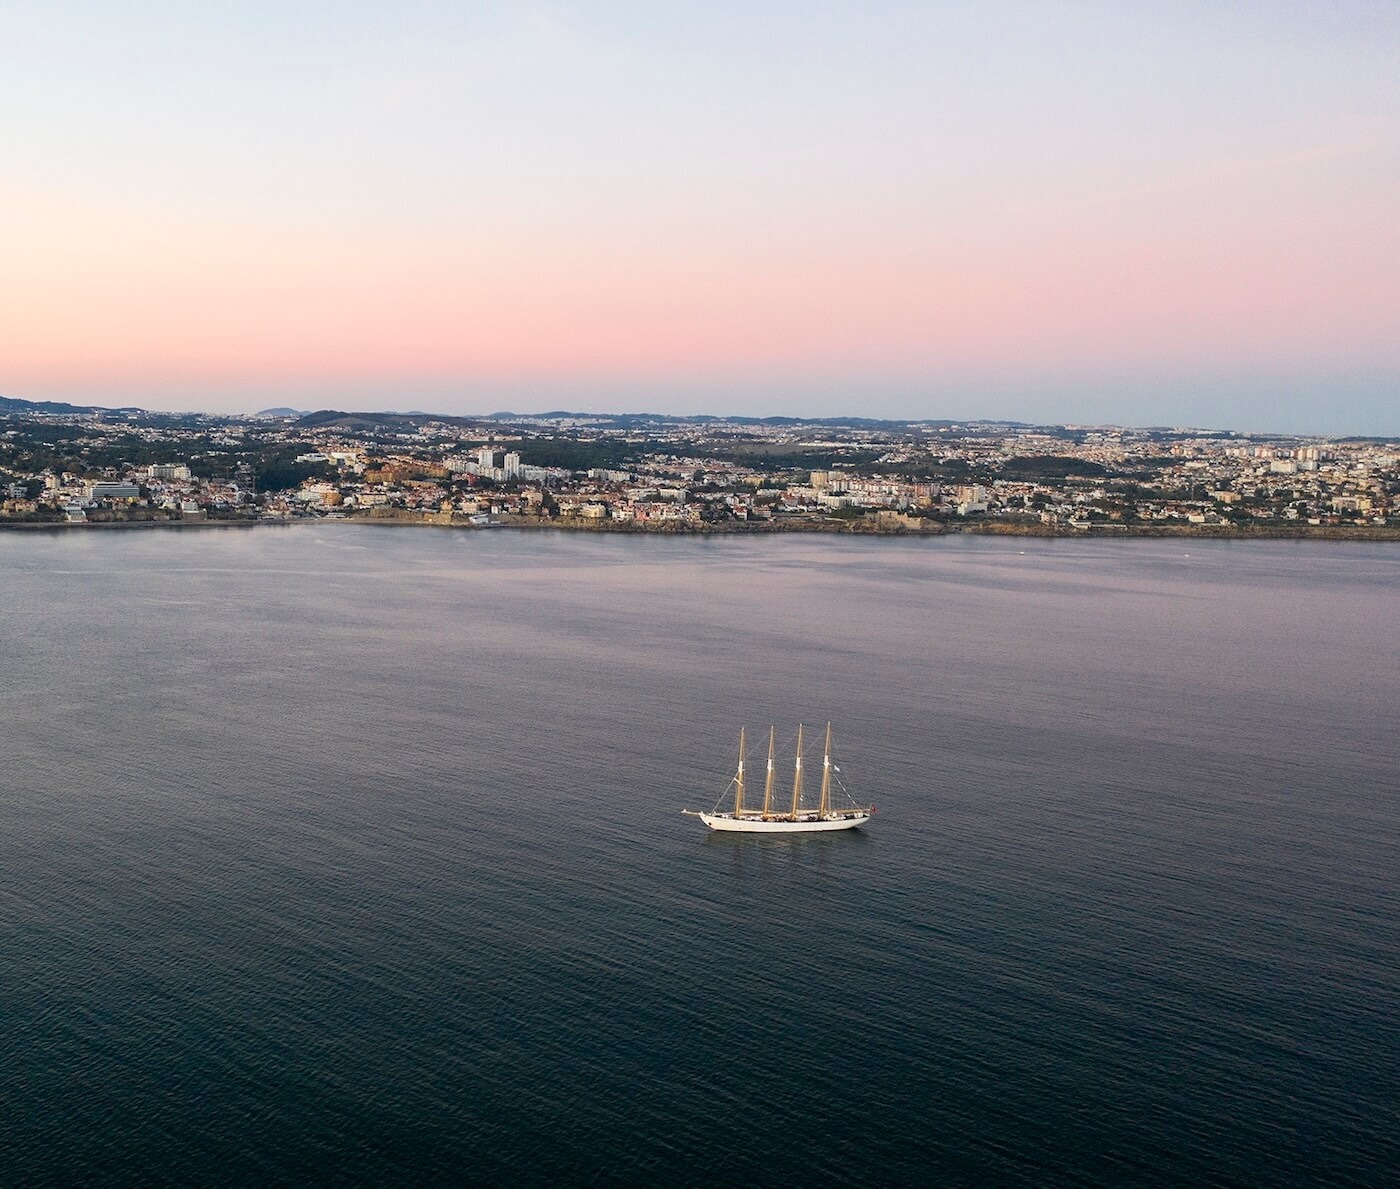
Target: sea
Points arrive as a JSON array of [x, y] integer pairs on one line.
[[353, 855]]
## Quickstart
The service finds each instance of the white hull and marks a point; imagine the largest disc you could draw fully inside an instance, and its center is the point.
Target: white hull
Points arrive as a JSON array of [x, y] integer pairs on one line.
[[803, 825]]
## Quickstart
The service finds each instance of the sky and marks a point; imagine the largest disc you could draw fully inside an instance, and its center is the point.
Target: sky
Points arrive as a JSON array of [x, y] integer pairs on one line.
[[1141, 213]]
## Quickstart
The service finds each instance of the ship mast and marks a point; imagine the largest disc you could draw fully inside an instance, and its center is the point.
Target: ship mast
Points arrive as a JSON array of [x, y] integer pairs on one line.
[[826, 775], [768, 782], [797, 775], [739, 779]]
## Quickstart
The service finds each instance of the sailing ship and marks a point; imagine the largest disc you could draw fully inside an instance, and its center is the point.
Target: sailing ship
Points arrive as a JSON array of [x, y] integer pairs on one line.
[[796, 818]]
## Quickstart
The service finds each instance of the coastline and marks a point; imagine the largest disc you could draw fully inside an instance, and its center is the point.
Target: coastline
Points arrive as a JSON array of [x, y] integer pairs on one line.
[[59, 526], [857, 528]]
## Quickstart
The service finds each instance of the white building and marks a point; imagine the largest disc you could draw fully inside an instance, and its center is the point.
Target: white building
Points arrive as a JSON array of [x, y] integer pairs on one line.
[[111, 491]]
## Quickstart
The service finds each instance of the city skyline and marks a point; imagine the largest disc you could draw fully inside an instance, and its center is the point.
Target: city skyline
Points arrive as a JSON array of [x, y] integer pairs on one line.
[[1032, 212]]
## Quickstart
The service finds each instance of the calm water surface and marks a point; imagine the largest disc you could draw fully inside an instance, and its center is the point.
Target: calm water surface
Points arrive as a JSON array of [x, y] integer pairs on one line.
[[354, 855]]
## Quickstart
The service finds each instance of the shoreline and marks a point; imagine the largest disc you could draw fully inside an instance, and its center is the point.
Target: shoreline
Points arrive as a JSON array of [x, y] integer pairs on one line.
[[182, 525], [1367, 533]]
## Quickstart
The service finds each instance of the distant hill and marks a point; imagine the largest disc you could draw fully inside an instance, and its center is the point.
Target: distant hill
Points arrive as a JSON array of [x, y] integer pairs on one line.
[[11, 404], [339, 419], [626, 420], [612, 422], [342, 419]]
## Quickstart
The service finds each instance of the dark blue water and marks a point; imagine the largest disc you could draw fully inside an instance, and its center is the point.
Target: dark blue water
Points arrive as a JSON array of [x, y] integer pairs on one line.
[[354, 855]]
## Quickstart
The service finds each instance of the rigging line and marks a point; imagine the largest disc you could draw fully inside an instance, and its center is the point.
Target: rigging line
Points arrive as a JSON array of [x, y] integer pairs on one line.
[[724, 796], [850, 796], [728, 788]]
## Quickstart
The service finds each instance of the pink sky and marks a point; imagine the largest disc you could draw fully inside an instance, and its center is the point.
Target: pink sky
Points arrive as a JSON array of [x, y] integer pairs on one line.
[[873, 248]]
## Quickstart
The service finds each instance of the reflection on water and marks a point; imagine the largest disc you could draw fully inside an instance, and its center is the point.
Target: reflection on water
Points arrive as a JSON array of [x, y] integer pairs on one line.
[[355, 854]]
